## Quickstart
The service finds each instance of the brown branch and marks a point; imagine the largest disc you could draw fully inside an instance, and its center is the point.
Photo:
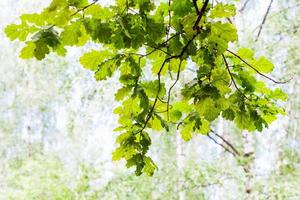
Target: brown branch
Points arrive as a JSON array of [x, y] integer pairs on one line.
[[162, 100], [179, 69], [85, 7], [228, 143], [157, 49], [200, 15], [229, 20], [221, 145], [184, 49], [244, 6], [170, 18], [159, 78], [231, 76], [257, 71], [264, 19], [157, 95], [132, 10], [161, 45], [173, 85], [196, 7], [165, 42]]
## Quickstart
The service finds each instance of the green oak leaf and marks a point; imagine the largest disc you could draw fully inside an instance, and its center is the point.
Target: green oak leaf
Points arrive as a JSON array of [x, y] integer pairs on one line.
[[262, 64], [92, 59], [223, 11], [187, 131]]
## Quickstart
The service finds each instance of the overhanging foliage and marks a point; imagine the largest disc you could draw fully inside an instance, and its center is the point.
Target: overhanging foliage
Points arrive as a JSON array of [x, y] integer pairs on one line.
[[138, 34]]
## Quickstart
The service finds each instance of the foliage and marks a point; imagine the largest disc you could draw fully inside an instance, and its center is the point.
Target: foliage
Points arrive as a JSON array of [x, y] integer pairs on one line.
[[138, 35], [28, 179]]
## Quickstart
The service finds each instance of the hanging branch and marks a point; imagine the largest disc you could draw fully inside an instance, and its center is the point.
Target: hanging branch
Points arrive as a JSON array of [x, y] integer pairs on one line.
[[85, 7], [161, 45], [231, 77], [173, 85], [227, 143], [231, 149], [158, 49], [157, 95], [137, 89], [244, 6], [170, 18], [184, 49], [264, 19], [256, 70], [196, 7], [200, 14], [221, 145]]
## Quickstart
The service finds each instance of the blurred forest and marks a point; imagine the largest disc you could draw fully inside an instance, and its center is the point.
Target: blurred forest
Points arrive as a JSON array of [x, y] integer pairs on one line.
[[56, 126]]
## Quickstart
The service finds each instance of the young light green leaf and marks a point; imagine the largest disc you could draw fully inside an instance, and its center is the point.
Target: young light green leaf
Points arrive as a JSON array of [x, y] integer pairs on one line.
[[223, 10], [92, 59], [187, 131]]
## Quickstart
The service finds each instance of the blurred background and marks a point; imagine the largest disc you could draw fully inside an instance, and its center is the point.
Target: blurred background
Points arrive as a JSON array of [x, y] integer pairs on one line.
[[56, 125]]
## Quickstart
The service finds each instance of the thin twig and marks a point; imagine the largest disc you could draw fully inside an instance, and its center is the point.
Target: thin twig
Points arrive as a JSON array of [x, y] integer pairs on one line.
[[170, 18], [159, 78], [173, 85], [161, 45], [180, 56], [231, 76], [227, 142], [158, 49], [256, 70], [220, 144], [157, 95], [264, 19], [200, 14], [85, 7], [162, 100], [244, 6]]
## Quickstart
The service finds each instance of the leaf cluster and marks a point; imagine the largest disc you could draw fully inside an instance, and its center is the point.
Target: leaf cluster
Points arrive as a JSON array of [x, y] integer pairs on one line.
[[140, 36]]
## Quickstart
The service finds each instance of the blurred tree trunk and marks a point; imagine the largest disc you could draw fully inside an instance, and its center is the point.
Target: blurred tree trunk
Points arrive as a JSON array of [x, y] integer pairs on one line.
[[249, 157], [180, 160]]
